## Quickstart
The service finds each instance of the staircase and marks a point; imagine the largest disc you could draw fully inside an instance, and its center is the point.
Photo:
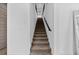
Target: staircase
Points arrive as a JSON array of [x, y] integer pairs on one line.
[[40, 44]]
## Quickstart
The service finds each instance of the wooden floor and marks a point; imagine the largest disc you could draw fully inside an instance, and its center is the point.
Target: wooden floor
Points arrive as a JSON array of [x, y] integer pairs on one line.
[[40, 44]]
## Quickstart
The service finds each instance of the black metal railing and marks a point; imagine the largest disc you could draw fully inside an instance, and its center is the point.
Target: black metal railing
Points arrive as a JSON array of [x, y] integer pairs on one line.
[[36, 8], [47, 24]]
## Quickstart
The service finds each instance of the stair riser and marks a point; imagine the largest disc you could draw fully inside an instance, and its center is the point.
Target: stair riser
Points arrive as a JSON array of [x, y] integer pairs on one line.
[[40, 50], [41, 43], [33, 53], [40, 46], [40, 35], [40, 40]]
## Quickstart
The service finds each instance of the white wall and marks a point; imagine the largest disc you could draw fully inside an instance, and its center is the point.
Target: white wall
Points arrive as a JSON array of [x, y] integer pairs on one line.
[[18, 29], [63, 20], [60, 15], [49, 15], [33, 20], [76, 32], [21, 23]]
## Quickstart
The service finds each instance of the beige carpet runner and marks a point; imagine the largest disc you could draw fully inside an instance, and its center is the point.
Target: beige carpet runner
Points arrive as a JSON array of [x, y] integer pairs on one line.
[[40, 44]]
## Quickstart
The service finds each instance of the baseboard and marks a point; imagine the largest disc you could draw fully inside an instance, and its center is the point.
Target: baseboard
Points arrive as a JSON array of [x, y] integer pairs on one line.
[[63, 52], [52, 51]]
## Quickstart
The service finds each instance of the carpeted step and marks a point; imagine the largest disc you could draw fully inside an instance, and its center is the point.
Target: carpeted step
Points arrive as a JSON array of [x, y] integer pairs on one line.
[[40, 48], [41, 52], [40, 42], [40, 38], [40, 35]]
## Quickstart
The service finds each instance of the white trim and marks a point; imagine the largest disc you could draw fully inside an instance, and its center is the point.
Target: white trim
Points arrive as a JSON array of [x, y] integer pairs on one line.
[[39, 16]]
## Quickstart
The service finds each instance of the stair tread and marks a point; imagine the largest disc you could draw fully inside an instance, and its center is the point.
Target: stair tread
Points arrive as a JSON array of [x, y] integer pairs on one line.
[[40, 35], [40, 48], [41, 53], [38, 42]]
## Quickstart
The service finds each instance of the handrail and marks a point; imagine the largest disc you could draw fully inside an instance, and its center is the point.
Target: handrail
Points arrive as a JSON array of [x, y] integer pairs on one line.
[[36, 8], [43, 9], [44, 17], [47, 24]]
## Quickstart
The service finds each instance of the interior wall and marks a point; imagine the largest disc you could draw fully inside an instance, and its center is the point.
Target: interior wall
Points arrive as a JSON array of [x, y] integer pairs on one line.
[[18, 29], [60, 19], [63, 20], [49, 15], [20, 33], [76, 31], [33, 20]]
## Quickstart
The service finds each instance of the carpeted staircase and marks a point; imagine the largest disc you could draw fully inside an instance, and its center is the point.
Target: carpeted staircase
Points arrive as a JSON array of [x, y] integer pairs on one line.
[[40, 44]]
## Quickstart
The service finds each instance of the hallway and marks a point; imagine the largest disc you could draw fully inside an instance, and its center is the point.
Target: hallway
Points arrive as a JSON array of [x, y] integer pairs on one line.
[[40, 44], [28, 35]]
